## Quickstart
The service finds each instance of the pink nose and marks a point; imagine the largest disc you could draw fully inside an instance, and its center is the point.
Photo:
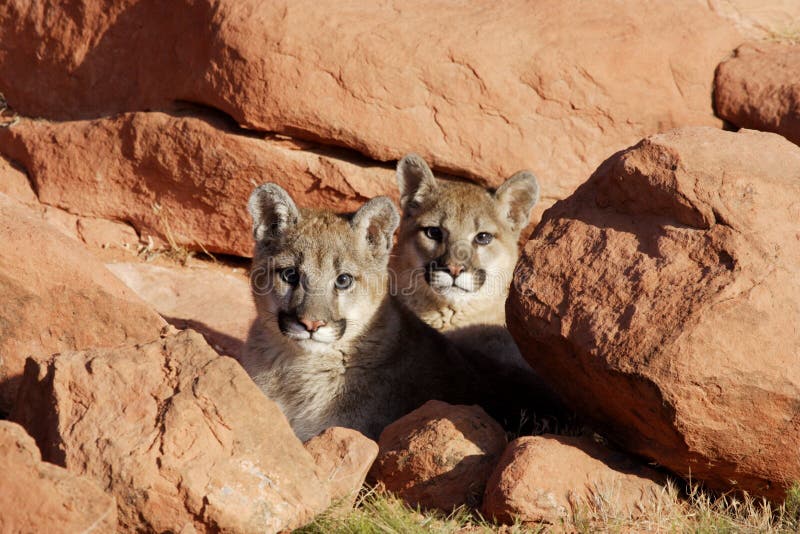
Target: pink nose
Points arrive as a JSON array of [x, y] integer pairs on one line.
[[312, 326], [455, 270]]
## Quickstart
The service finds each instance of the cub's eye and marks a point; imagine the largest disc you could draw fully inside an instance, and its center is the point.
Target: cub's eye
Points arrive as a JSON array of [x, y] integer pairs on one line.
[[483, 238], [343, 281], [290, 276], [433, 232]]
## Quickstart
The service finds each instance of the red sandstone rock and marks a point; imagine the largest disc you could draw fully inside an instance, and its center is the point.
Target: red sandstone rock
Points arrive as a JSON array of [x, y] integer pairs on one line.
[[14, 183], [759, 88], [95, 233], [181, 436], [549, 478], [102, 233], [439, 455], [343, 457], [555, 86], [56, 296], [210, 300], [183, 179], [760, 18], [662, 299], [36, 496]]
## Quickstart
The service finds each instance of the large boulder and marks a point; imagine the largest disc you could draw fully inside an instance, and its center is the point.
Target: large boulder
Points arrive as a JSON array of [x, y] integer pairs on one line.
[[551, 479], [15, 184], [554, 85], [181, 436], [184, 179], [208, 298], [56, 297], [759, 88], [439, 456], [662, 300], [36, 496]]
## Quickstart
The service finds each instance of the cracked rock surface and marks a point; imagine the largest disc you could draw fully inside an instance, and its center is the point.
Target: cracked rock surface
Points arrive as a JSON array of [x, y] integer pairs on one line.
[[663, 297], [57, 297], [37, 496], [181, 436], [554, 86], [182, 177]]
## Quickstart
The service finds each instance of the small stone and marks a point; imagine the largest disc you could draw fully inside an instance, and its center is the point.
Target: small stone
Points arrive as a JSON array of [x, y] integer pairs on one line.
[[343, 457], [549, 478], [439, 456]]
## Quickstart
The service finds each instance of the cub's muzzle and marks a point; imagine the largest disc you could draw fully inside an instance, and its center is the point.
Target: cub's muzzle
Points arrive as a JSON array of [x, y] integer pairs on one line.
[[304, 328], [442, 278]]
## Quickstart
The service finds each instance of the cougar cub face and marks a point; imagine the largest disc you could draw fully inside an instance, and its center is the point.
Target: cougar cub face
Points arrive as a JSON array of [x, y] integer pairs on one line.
[[460, 239], [318, 277]]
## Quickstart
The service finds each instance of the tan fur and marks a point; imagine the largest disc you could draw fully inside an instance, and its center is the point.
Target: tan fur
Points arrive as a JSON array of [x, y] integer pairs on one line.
[[475, 319], [384, 363]]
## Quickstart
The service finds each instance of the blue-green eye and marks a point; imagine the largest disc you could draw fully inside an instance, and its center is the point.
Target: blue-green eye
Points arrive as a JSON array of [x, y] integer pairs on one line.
[[483, 238], [290, 276], [433, 232], [343, 281]]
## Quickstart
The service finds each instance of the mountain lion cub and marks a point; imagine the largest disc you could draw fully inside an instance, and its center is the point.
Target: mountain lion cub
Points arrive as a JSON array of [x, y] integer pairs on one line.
[[456, 253], [330, 345]]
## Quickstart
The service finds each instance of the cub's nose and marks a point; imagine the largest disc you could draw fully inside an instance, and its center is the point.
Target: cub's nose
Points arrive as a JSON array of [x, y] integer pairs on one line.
[[311, 325], [454, 269]]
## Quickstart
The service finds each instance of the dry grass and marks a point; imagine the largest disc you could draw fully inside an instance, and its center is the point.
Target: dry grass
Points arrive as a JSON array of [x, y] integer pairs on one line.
[[789, 34], [378, 513], [8, 117], [695, 511], [173, 250], [674, 509]]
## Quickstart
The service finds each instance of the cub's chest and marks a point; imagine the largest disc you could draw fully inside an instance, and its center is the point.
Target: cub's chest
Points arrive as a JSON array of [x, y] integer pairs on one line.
[[313, 381]]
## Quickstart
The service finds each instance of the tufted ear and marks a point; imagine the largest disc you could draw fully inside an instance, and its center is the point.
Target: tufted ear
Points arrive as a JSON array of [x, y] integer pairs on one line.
[[273, 211], [415, 180], [517, 196], [376, 222]]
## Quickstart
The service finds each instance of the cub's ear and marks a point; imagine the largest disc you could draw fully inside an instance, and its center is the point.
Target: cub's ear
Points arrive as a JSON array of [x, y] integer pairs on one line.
[[517, 196], [273, 211], [376, 222], [415, 180]]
